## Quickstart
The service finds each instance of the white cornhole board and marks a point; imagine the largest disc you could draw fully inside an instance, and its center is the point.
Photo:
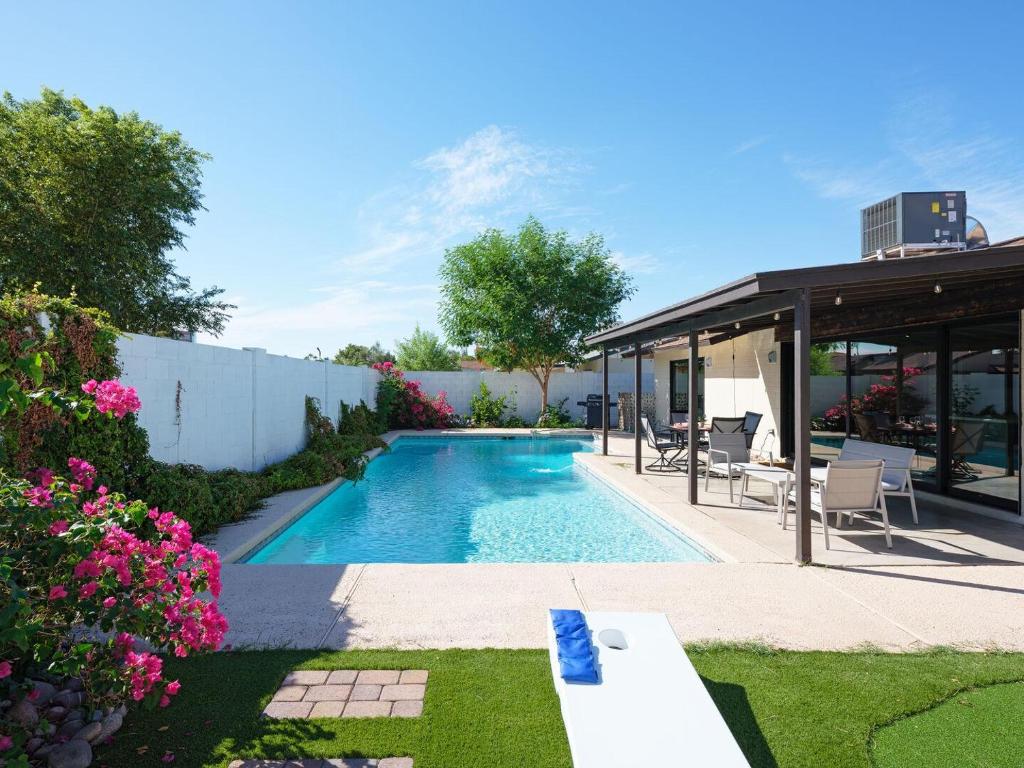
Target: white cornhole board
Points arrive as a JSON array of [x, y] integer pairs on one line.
[[650, 707]]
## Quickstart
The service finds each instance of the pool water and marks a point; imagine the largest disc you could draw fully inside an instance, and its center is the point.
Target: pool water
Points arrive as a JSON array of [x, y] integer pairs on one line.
[[477, 500]]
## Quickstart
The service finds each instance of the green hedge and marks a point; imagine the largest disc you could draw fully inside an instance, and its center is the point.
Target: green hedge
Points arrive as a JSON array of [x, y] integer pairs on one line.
[[210, 499]]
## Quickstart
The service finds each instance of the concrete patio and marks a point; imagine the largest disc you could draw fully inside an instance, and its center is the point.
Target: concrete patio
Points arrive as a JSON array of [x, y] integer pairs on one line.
[[954, 579]]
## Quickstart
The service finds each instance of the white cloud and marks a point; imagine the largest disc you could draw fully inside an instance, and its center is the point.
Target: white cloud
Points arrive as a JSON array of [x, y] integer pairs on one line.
[[928, 147], [638, 263], [864, 184], [379, 289], [492, 178], [749, 144], [361, 312]]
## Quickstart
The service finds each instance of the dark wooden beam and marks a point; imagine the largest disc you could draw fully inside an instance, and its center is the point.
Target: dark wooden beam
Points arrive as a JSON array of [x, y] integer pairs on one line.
[[950, 305], [605, 408], [637, 412], [692, 433], [724, 317], [802, 423]]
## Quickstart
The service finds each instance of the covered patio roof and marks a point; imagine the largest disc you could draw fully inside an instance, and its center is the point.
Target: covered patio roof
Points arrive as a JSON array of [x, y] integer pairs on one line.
[[824, 303], [875, 295]]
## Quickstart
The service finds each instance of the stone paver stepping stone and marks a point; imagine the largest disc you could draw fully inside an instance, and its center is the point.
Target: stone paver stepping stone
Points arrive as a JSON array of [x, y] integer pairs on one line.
[[307, 694], [347, 762]]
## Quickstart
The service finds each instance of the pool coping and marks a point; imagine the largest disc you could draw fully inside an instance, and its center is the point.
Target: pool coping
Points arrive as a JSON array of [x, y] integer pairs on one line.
[[234, 542], [699, 542]]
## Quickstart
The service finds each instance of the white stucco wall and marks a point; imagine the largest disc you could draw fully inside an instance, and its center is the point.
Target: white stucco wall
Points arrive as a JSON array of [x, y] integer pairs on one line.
[[739, 378]]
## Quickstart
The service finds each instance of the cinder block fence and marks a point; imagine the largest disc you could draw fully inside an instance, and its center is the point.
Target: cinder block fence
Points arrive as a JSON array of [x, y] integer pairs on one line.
[[244, 408]]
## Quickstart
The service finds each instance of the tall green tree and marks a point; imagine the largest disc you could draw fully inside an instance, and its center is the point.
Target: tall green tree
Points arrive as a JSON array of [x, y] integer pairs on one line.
[[358, 354], [529, 299], [424, 351], [93, 202]]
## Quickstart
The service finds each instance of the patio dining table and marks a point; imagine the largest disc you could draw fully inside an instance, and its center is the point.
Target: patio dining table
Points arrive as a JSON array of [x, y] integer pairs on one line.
[[912, 434]]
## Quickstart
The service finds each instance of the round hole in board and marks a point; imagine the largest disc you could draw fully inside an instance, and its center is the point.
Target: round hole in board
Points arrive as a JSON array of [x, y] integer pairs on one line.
[[613, 638]]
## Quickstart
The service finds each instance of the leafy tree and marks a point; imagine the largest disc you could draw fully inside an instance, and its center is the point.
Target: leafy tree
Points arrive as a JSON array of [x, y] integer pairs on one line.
[[424, 351], [528, 300], [91, 203], [358, 354], [820, 362]]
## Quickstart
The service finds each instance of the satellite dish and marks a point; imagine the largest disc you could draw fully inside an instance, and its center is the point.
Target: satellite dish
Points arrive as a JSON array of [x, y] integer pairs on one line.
[[976, 235]]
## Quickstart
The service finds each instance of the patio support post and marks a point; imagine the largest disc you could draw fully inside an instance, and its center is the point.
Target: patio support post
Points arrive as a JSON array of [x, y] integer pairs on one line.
[[849, 389], [637, 412], [801, 422], [944, 410], [692, 432], [604, 401]]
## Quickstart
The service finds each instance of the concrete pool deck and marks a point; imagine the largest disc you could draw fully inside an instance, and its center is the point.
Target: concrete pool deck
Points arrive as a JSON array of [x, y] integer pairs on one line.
[[956, 579]]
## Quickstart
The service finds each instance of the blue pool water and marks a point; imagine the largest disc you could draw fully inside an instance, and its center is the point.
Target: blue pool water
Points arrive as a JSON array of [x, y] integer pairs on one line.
[[477, 500]]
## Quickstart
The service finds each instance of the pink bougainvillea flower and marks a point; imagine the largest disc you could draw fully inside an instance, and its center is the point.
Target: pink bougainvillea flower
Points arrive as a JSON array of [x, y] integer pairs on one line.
[[83, 472], [6, 742], [88, 590], [167, 758], [34, 694], [39, 496], [165, 701], [113, 397], [90, 386], [173, 687], [57, 592], [110, 602], [58, 527], [5, 669]]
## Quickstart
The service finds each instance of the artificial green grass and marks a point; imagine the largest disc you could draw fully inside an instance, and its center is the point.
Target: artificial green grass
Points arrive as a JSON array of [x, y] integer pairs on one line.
[[973, 729], [498, 708]]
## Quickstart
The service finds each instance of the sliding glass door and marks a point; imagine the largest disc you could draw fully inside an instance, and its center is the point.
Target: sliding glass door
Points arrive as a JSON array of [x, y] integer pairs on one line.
[[679, 386], [984, 448]]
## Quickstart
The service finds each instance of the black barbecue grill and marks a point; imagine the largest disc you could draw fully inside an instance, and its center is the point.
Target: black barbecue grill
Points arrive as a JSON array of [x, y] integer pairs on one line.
[[593, 406]]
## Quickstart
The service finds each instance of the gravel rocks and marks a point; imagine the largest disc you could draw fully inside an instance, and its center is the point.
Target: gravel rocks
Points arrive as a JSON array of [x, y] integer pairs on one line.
[[72, 754]]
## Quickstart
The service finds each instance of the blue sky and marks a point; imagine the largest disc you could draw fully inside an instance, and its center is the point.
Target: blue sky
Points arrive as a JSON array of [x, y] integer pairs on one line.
[[353, 142]]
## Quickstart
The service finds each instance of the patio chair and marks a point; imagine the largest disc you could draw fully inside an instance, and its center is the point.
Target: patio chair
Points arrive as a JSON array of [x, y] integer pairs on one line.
[[865, 426], [664, 447], [751, 421], [968, 439], [649, 705], [848, 487], [896, 480], [728, 454]]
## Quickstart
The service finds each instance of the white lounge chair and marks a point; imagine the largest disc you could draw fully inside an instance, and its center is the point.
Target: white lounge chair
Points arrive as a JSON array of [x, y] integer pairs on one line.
[[896, 480], [648, 708], [848, 487]]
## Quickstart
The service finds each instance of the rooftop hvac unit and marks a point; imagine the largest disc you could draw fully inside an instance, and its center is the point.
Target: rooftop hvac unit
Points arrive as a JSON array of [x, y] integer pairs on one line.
[[913, 222]]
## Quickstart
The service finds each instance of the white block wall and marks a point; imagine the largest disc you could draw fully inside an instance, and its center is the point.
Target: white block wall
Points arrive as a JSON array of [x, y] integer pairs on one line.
[[238, 408], [244, 408], [460, 387]]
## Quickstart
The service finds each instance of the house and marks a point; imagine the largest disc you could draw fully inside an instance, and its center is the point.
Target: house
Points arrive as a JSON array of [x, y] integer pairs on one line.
[[931, 344]]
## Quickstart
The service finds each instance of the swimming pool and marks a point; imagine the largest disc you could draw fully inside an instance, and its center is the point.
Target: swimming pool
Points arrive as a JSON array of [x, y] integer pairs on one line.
[[478, 500]]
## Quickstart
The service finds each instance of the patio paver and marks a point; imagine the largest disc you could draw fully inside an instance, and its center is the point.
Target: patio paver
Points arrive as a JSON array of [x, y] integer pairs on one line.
[[369, 693]]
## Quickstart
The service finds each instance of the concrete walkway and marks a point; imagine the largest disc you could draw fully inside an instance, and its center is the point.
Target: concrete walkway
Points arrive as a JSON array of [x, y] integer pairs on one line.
[[953, 580]]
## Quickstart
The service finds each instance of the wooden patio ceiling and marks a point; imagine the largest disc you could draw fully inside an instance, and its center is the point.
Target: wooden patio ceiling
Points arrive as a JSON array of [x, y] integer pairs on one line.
[[875, 296]]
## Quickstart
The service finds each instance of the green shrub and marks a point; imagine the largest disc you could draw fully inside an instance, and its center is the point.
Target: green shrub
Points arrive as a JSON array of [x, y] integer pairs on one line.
[[555, 416], [485, 410], [359, 420]]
